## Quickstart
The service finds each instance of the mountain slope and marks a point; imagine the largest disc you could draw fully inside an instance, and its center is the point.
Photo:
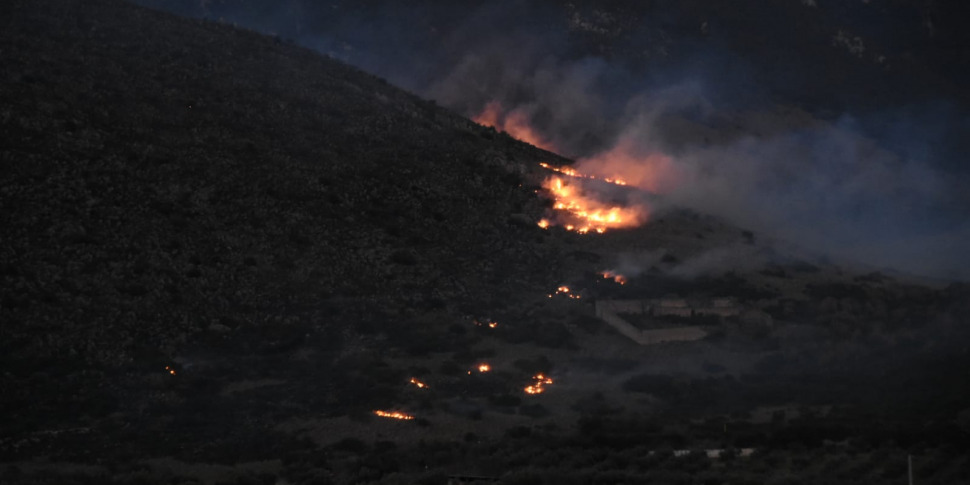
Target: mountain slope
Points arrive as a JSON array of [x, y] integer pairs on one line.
[[154, 188]]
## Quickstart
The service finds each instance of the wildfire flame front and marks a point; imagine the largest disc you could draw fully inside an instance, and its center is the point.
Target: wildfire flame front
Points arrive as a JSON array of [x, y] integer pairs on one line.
[[394, 415], [588, 213]]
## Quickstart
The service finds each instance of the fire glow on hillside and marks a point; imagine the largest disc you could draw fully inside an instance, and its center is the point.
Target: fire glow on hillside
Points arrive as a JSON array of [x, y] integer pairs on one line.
[[537, 386], [581, 209], [614, 276], [489, 324], [394, 415], [575, 173]]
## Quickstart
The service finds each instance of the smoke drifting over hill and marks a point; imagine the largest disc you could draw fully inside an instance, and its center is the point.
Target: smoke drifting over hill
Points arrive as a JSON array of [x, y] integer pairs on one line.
[[777, 127]]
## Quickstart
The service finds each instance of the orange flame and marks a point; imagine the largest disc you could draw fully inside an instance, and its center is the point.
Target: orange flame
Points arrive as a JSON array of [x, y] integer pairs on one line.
[[170, 370], [615, 276], [484, 367], [537, 387], [418, 383], [626, 163], [394, 415], [589, 213], [623, 164], [514, 122]]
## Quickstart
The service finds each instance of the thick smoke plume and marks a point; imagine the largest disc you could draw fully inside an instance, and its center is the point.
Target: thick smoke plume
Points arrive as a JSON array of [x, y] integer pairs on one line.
[[664, 100]]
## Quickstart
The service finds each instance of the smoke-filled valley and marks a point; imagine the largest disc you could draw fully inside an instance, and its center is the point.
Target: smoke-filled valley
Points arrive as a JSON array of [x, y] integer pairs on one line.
[[621, 242]]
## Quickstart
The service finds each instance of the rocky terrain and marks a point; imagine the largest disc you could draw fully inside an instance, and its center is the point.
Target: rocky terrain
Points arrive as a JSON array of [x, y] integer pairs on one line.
[[222, 253]]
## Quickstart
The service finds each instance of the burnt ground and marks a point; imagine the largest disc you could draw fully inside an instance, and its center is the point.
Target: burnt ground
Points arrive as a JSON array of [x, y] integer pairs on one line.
[[295, 239]]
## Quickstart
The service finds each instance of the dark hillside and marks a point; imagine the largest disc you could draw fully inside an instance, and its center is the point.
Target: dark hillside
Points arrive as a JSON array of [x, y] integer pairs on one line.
[[187, 197], [162, 176]]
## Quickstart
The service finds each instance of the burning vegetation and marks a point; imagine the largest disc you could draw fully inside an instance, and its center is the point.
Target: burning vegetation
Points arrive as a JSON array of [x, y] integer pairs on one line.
[[394, 415], [170, 370], [584, 213], [539, 381], [489, 323], [614, 276], [564, 290], [418, 384], [580, 212]]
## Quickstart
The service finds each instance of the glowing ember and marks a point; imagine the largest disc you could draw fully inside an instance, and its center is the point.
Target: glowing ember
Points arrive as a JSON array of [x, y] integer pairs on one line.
[[564, 290], [418, 383], [614, 276], [538, 384], [394, 415], [489, 324], [589, 213], [483, 368], [543, 224], [170, 370], [516, 123]]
